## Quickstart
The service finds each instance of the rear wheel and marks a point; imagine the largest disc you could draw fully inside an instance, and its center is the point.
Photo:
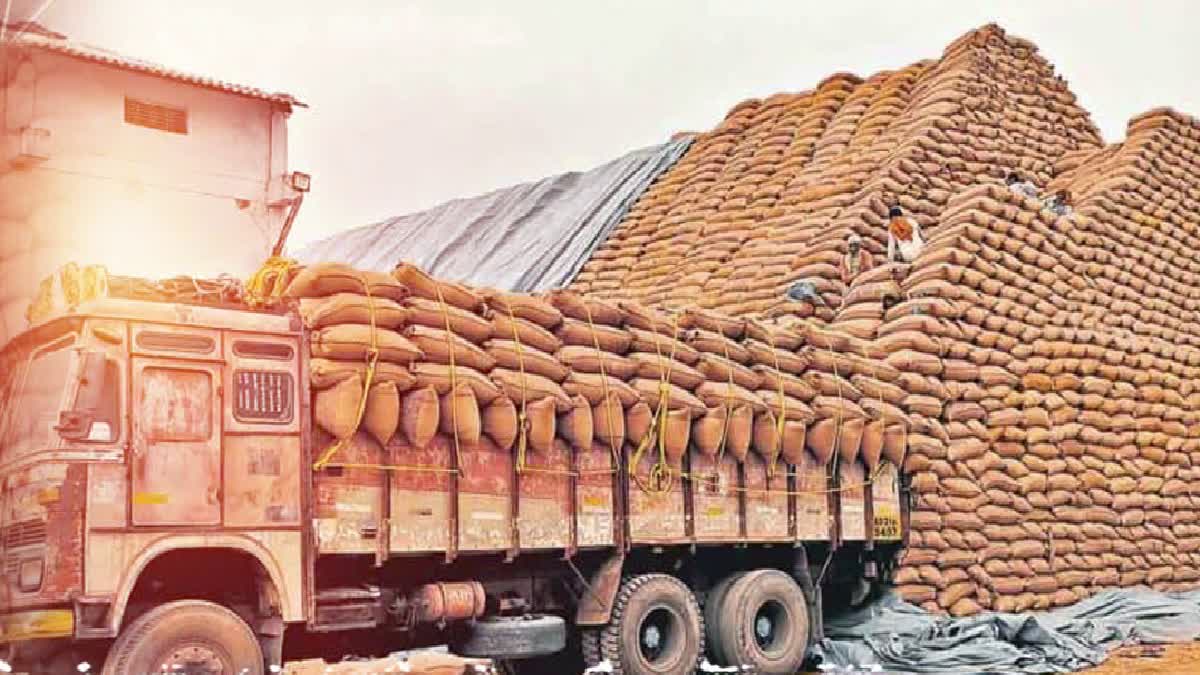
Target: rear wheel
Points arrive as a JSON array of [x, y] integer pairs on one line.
[[762, 622], [712, 619], [656, 628], [190, 637]]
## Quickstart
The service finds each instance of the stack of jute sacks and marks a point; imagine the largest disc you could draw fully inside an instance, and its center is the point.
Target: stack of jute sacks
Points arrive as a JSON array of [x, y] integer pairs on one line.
[[770, 195], [1072, 427], [407, 354]]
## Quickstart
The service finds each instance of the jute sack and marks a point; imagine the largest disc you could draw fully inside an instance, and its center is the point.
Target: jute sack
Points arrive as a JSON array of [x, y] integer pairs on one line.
[[420, 412], [382, 416], [822, 439], [714, 394], [594, 387], [351, 308], [653, 343], [515, 357], [643, 318], [425, 286], [774, 380], [499, 422], [657, 367], [767, 437], [871, 448], [586, 308], [677, 397], [850, 438], [505, 327], [715, 343], [542, 424], [530, 387], [785, 406], [694, 317], [638, 418], [794, 435], [677, 427], [609, 338], [442, 378], [588, 360], [438, 346], [708, 431], [323, 279], [521, 306], [577, 426], [781, 337], [325, 373], [431, 313], [777, 359], [351, 342], [720, 369], [459, 416], [741, 432], [608, 421], [336, 409]]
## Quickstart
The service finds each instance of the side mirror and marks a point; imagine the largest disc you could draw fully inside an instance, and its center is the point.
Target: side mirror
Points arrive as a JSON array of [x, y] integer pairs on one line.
[[87, 419]]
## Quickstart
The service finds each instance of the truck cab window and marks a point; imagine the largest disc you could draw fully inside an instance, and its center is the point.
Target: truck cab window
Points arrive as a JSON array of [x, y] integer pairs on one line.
[[38, 390]]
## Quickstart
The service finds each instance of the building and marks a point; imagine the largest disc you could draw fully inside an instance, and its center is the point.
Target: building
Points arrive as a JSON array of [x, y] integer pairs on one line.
[[151, 172]]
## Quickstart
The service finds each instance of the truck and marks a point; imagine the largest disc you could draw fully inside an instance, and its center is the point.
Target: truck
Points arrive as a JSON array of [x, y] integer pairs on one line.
[[163, 508]]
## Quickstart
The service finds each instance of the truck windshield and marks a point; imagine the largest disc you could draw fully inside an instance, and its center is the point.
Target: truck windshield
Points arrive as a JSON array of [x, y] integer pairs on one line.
[[32, 396]]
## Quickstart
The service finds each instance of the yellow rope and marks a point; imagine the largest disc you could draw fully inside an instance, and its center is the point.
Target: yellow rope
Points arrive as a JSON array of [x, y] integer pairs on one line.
[[522, 416], [453, 377], [614, 442], [270, 281], [658, 421]]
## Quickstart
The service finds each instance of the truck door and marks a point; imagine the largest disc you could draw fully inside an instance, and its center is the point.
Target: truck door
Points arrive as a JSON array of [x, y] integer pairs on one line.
[[176, 451]]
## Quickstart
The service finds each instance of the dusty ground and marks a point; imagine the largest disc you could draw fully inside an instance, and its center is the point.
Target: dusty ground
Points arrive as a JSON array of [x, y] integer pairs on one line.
[[1178, 659]]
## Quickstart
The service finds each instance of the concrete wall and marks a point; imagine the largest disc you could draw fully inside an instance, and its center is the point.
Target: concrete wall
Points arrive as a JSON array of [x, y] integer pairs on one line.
[[77, 183]]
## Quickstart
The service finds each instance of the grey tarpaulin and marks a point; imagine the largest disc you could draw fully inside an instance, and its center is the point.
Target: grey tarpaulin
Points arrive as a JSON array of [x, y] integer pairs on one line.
[[903, 638], [529, 237]]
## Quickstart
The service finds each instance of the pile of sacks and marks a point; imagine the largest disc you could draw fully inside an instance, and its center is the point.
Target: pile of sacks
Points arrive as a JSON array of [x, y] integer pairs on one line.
[[473, 363], [770, 195], [1065, 358]]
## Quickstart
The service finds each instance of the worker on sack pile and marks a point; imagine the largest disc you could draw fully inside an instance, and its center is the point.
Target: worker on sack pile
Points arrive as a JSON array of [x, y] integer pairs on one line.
[[1059, 203], [1021, 187], [856, 261], [904, 237]]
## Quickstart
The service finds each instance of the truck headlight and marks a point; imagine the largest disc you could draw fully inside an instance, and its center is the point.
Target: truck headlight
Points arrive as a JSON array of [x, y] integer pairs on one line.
[[29, 576]]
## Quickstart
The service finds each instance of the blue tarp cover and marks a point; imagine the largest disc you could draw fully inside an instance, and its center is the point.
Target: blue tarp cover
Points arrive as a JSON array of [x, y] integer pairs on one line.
[[529, 237], [903, 638]]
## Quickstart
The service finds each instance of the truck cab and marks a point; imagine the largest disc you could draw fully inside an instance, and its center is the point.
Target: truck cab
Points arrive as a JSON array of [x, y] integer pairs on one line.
[[149, 452]]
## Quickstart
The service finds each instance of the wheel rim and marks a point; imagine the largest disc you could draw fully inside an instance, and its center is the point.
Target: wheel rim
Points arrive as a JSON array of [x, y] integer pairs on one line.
[[196, 658], [771, 626], [659, 639]]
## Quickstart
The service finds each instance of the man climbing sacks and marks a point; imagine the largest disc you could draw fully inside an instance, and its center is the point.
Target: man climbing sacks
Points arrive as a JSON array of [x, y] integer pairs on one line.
[[856, 260], [904, 237]]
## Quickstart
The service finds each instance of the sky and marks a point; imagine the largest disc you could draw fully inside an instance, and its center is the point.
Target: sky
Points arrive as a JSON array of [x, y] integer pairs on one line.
[[415, 103]]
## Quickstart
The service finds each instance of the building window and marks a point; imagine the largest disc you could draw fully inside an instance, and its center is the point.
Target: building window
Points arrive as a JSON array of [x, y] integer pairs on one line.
[[154, 116]]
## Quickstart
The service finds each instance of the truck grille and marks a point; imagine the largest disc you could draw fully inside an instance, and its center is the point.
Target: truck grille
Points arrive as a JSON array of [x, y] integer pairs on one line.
[[24, 533]]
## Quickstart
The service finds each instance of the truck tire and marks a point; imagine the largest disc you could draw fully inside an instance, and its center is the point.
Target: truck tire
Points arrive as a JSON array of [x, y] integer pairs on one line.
[[762, 622], [656, 628], [712, 605], [189, 634], [513, 637]]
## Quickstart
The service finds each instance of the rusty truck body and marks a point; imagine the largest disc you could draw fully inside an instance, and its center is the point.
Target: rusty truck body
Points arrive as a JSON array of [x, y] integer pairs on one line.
[[159, 507]]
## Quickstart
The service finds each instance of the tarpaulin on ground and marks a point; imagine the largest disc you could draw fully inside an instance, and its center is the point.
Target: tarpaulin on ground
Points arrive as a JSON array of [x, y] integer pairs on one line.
[[529, 237], [903, 638]]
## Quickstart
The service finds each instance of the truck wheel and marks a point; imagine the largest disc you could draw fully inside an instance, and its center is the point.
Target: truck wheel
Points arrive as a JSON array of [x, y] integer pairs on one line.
[[712, 608], [186, 636], [762, 622], [514, 637], [656, 628]]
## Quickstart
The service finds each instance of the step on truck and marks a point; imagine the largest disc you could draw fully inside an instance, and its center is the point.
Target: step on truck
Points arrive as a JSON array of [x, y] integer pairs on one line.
[[160, 512]]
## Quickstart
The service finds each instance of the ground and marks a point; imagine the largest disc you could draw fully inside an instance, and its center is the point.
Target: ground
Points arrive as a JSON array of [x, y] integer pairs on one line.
[[1177, 659]]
